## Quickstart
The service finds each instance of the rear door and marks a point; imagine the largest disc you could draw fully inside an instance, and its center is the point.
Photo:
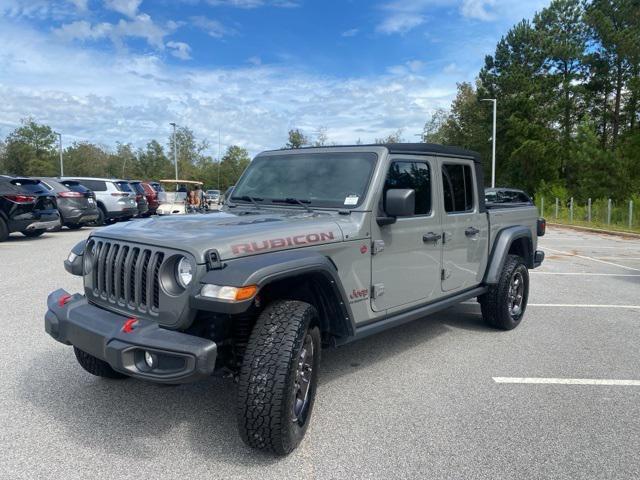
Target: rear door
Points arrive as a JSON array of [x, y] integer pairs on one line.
[[465, 227], [405, 267]]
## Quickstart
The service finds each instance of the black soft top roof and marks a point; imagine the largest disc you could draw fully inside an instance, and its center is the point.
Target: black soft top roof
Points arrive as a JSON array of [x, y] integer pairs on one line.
[[416, 148]]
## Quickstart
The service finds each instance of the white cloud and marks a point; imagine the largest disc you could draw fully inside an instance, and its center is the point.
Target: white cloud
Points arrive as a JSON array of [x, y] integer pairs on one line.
[[254, 3], [256, 61], [106, 97], [128, 8], [351, 32], [400, 23], [81, 5], [478, 9], [214, 28], [142, 26], [179, 50]]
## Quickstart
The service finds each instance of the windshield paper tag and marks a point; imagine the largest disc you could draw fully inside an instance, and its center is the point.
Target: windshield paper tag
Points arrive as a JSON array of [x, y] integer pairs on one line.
[[351, 200]]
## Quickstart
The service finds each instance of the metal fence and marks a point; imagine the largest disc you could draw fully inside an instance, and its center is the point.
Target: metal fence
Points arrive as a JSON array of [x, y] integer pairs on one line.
[[599, 213]]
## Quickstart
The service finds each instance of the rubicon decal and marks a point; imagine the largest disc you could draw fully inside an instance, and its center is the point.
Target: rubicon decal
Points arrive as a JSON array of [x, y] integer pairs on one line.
[[275, 243]]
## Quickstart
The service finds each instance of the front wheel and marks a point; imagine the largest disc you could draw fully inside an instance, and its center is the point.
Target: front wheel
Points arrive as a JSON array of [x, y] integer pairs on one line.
[[504, 304], [278, 377]]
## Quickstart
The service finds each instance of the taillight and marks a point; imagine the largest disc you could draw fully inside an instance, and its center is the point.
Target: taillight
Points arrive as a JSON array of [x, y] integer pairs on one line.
[[542, 227], [71, 195], [21, 199]]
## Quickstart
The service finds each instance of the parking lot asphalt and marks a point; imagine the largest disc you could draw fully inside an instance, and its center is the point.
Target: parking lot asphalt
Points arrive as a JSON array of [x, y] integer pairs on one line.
[[419, 401]]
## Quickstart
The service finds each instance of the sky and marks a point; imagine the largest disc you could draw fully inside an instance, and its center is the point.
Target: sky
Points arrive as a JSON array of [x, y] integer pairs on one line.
[[109, 71]]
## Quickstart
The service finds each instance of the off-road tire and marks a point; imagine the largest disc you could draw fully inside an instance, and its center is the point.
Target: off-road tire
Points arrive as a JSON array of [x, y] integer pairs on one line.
[[4, 230], [95, 366], [495, 303], [266, 386], [33, 233]]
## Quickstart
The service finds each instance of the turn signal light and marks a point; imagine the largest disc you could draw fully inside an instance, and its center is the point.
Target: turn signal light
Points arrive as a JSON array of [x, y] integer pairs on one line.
[[233, 294]]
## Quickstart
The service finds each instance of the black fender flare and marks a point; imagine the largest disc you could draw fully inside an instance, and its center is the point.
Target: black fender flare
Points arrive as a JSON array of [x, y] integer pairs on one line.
[[262, 270], [501, 246]]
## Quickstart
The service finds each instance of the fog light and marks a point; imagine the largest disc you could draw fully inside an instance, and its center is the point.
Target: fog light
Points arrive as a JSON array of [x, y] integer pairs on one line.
[[149, 359]]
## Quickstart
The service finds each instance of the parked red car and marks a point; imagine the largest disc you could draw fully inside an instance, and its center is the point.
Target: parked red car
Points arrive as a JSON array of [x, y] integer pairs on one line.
[[152, 197]]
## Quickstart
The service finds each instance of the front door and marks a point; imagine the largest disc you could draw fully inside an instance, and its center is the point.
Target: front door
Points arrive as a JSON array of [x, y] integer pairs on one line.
[[407, 254], [465, 228]]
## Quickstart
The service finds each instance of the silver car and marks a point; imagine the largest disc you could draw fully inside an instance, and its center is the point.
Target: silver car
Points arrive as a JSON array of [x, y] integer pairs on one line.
[[115, 198]]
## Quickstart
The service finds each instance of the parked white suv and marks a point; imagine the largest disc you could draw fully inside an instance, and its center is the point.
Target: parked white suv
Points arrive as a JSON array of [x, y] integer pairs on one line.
[[115, 198]]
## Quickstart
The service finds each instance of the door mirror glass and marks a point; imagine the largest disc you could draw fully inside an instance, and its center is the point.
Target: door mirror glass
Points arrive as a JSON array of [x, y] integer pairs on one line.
[[400, 202]]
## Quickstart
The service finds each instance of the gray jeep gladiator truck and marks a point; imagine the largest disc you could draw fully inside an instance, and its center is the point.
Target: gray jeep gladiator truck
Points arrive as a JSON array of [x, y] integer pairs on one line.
[[316, 247]]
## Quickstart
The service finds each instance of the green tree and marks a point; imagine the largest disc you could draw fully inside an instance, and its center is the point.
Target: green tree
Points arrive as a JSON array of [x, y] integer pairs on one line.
[[86, 159], [395, 137], [297, 139], [563, 37], [31, 150], [190, 153], [152, 163], [233, 163], [614, 25]]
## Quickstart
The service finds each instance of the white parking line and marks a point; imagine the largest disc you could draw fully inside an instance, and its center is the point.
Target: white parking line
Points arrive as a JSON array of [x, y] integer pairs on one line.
[[567, 381], [569, 254], [580, 305], [586, 274]]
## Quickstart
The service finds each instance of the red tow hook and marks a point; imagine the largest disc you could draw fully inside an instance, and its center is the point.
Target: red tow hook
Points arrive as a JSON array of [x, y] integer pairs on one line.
[[64, 299], [129, 325]]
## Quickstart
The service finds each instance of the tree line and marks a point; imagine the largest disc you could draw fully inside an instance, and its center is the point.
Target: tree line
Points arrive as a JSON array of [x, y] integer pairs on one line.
[[32, 150], [568, 91]]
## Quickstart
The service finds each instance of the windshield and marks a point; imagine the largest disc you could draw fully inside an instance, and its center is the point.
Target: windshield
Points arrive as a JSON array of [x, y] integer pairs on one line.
[[334, 180]]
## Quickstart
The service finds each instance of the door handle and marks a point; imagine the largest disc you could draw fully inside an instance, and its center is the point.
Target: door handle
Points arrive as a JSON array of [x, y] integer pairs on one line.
[[471, 231], [431, 237]]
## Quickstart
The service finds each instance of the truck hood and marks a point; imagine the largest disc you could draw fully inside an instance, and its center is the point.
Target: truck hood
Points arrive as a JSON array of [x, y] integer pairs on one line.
[[237, 234]]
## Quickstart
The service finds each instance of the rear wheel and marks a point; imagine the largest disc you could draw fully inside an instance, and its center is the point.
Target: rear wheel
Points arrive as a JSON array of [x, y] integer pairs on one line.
[[95, 366], [4, 230], [33, 233], [98, 222], [503, 306], [278, 378]]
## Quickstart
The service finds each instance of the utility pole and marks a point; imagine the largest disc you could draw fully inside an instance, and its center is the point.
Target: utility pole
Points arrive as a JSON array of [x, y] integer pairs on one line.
[[493, 139], [175, 152], [60, 149], [219, 159]]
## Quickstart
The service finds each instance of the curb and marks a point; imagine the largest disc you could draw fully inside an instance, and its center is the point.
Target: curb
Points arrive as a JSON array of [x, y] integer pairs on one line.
[[596, 230]]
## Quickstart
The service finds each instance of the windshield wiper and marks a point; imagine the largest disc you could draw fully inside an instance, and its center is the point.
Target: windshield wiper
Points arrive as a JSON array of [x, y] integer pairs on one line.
[[248, 198], [297, 201]]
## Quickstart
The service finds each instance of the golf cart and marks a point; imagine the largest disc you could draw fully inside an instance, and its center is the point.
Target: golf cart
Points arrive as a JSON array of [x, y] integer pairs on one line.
[[173, 201]]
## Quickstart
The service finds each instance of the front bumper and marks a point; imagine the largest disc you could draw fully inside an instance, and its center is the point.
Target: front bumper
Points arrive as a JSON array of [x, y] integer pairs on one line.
[[181, 358]]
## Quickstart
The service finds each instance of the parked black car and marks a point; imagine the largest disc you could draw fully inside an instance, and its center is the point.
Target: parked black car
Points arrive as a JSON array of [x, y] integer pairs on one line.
[[77, 206], [502, 196], [26, 206], [141, 197]]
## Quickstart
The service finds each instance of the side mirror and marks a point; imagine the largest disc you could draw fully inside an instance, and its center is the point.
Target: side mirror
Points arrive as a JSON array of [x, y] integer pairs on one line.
[[399, 202]]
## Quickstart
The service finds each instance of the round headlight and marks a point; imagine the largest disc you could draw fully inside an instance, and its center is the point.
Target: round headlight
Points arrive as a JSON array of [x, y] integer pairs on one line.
[[184, 272]]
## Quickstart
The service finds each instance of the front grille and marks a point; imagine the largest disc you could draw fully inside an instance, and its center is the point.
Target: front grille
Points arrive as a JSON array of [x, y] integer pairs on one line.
[[126, 275]]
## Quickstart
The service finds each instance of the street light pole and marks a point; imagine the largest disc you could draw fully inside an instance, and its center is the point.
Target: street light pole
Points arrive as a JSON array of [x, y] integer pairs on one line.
[[60, 149], [175, 152], [493, 140], [219, 159]]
